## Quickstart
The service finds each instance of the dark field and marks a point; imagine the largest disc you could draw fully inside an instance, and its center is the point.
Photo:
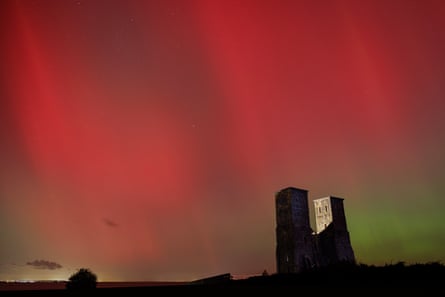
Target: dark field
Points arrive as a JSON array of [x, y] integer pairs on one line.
[[349, 280], [60, 285]]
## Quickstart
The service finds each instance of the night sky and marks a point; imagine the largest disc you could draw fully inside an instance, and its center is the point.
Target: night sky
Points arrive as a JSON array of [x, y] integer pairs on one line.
[[146, 140]]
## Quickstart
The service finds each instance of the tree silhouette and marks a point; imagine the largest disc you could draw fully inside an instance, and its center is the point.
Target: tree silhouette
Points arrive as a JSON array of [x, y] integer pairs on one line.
[[82, 279]]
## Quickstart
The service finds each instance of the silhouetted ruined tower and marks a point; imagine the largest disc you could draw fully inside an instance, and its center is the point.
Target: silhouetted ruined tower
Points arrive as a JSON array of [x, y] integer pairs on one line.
[[298, 247], [294, 250], [333, 235]]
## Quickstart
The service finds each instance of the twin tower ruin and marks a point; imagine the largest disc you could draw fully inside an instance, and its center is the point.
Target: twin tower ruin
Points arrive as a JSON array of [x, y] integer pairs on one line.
[[298, 247]]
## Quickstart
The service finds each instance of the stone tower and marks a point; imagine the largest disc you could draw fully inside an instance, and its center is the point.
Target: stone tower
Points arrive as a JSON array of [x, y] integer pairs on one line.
[[332, 232], [298, 247], [295, 245]]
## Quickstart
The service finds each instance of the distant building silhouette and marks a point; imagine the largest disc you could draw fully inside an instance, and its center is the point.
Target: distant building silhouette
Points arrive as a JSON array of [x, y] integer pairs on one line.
[[298, 247]]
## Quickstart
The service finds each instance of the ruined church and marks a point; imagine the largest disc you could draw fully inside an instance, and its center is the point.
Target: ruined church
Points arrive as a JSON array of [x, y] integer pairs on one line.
[[298, 247]]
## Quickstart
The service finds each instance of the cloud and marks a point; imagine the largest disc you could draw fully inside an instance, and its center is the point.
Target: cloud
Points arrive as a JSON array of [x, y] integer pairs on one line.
[[110, 223], [44, 264]]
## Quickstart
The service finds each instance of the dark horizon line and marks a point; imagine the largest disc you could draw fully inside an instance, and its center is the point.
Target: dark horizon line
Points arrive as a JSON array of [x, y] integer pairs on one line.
[[399, 264]]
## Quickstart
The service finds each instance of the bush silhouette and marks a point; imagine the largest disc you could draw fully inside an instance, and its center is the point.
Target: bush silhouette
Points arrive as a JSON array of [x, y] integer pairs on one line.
[[82, 279]]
